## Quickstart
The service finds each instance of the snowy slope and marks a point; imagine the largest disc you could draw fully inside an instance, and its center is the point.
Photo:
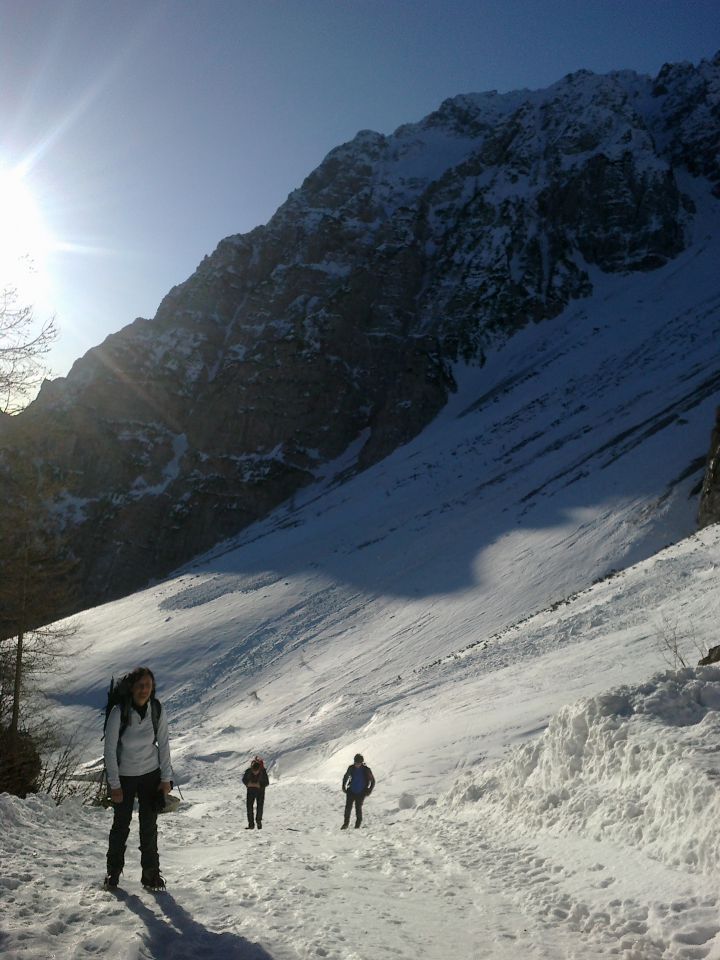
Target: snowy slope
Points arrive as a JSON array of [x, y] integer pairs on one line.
[[436, 612]]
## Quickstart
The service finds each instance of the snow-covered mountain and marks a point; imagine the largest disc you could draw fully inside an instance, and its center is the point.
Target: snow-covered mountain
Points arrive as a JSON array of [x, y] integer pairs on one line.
[[338, 322], [492, 612]]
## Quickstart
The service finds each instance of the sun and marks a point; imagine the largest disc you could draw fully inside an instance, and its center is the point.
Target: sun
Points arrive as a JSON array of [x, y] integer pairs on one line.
[[25, 241]]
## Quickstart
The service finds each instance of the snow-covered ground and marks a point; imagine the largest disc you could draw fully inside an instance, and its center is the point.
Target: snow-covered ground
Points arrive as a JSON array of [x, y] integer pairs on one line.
[[591, 835], [486, 615]]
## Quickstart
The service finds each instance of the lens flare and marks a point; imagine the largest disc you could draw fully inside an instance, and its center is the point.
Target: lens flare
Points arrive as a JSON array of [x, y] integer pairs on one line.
[[25, 240]]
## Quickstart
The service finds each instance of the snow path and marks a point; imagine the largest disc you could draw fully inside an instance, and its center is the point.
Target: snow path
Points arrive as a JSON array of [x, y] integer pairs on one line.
[[304, 888]]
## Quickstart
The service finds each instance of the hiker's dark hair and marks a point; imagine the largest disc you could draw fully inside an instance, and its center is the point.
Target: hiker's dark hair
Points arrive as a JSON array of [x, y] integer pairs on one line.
[[137, 674]]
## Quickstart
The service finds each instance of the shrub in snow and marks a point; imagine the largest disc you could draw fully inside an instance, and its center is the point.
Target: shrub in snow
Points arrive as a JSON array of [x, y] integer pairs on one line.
[[20, 764], [637, 765]]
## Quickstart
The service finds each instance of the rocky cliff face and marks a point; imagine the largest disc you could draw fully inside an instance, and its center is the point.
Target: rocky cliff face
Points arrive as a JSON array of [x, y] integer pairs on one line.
[[710, 494], [340, 318]]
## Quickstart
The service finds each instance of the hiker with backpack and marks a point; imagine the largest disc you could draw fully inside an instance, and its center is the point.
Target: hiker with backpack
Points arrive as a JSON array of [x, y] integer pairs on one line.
[[255, 779], [357, 784], [137, 763]]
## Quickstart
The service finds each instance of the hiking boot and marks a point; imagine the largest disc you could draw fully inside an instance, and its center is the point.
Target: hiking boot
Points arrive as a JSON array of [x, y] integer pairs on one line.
[[152, 880], [344, 826], [259, 825], [250, 826], [111, 881]]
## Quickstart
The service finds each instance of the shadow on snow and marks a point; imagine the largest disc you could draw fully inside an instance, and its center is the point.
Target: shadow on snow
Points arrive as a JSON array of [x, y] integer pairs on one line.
[[177, 936]]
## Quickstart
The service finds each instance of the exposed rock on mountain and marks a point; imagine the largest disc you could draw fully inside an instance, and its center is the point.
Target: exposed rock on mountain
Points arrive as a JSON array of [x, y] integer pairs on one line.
[[710, 495], [339, 319], [690, 124]]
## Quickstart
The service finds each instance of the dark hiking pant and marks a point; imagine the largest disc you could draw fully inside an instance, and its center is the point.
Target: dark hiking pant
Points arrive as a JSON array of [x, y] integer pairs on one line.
[[146, 790], [255, 796], [350, 799]]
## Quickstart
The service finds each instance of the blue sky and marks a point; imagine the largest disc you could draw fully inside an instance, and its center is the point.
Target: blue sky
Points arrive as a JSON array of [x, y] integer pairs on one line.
[[147, 131]]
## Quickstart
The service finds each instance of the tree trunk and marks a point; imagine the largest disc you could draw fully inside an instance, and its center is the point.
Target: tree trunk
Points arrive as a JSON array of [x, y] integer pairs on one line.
[[16, 692]]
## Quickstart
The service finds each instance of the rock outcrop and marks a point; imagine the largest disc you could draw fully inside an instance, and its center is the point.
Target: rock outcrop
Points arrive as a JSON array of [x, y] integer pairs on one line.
[[340, 318], [710, 495]]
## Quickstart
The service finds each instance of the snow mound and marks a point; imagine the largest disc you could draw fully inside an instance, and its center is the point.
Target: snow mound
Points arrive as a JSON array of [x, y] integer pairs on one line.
[[28, 813], [636, 765]]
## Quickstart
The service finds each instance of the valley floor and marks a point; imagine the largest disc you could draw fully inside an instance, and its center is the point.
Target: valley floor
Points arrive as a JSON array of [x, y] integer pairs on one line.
[[415, 883]]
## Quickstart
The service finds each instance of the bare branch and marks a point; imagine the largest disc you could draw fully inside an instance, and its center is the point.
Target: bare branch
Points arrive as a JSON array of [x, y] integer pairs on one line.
[[58, 777], [669, 642], [22, 349]]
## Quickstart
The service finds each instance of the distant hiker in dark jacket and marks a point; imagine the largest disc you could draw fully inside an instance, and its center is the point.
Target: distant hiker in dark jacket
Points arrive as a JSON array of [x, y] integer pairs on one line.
[[357, 784], [255, 779], [137, 762]]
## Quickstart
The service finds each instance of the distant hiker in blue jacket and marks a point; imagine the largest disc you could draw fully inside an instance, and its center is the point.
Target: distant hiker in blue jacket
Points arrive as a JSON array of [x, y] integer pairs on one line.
[[357, 784]]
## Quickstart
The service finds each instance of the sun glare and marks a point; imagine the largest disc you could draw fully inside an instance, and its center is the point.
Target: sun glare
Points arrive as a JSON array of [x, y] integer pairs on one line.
[[25, 241]]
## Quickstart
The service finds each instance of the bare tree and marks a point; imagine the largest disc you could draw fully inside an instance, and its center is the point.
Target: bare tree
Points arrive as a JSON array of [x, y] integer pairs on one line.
[[675, 644], [61, 761], [23, 347], [671, 643]]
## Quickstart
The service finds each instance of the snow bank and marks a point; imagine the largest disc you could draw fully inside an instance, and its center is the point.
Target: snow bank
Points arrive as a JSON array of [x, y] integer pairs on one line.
[[35, 810], [639, 766]]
